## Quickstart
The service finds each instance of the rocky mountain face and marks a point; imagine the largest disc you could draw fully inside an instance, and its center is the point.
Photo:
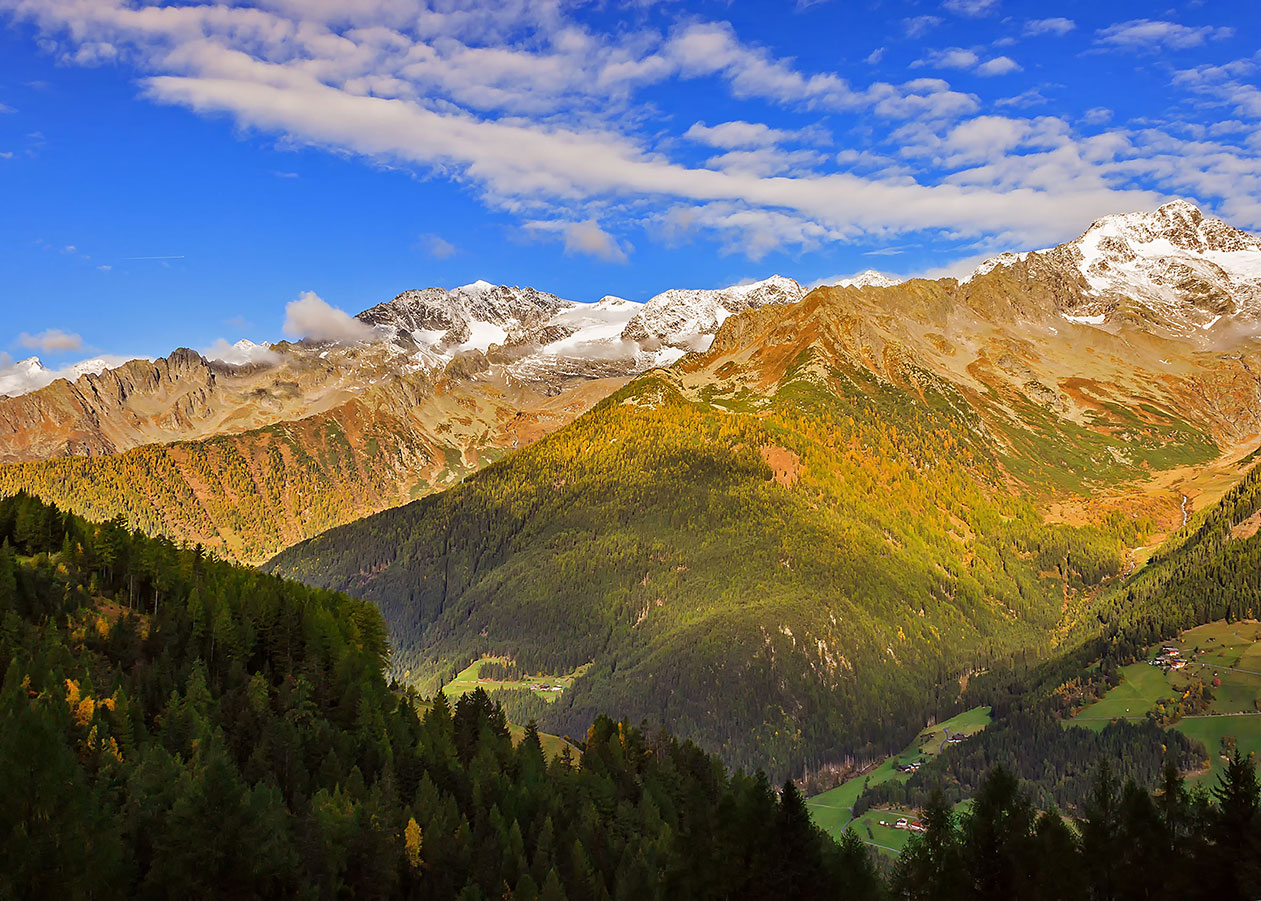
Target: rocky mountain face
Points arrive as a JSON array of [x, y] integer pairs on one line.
[[534, 333], [1173, 270], [22, 375], [245, 495], [687, 320], [844, 502], [179, 397], [1163, 292], [282, 441]]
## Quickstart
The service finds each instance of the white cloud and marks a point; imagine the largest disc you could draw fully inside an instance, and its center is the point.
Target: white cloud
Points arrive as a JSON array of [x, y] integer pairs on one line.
[[240, 353], [540, 115], [1058, 26], [963, 58], [1025, 99], [5, 108], [1232, 84], [1153, 35], [999, 65], [874, 56], [950, 58], [731, 135], [712, 48], [437, 247], [919, 26], [766, 161], [972, 8], [312, 318], [743, 229], [51, 340], [586, 237]]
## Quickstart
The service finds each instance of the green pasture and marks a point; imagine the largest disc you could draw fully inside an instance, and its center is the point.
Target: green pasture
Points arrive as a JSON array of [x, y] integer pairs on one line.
[[832, 810], [1229, 652], [469, 679]]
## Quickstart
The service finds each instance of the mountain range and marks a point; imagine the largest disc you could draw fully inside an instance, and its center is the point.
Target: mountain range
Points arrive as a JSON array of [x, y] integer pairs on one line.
[[790, 524], [285, 440]]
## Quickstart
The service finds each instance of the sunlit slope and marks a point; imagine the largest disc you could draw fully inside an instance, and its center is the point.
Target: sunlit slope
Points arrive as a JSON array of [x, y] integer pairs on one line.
[[791, 547], [246, 496]]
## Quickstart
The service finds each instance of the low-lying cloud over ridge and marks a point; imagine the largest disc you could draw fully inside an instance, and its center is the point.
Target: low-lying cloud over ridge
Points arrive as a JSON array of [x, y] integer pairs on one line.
[[312, 318]]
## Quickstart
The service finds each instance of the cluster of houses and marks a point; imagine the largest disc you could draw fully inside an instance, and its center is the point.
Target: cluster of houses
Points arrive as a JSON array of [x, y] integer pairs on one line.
[[953, 738], [911, 767], [1169, 659], [543, 686], [904, 823]]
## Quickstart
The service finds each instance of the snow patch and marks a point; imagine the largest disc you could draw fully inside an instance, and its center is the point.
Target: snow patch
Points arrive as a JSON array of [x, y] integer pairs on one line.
[[1086, 320]]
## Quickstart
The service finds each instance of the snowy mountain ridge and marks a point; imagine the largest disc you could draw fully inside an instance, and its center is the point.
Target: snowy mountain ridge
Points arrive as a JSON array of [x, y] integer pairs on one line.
[[1172, 269], [869, 278], [534, 331]]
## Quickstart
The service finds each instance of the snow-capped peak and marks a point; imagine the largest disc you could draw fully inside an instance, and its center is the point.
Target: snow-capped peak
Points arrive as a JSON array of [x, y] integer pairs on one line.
[[869, 278], [611, 302], [31, 374], [535, 331], [1173, 267], [1007, 258], [481, 286], [688, 318], [436, 324]]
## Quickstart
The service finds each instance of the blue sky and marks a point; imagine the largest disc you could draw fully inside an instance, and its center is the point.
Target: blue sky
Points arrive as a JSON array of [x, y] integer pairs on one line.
[[173, 174]]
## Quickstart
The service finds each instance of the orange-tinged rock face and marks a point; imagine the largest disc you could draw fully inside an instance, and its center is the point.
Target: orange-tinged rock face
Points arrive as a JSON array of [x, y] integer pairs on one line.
[[249, 492]]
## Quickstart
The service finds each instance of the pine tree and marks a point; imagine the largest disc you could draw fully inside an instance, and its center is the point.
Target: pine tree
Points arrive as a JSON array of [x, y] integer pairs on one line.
[[931, 866], [1099, 828], [1235, 831], [997, 835], [552, 890], [8, 576]]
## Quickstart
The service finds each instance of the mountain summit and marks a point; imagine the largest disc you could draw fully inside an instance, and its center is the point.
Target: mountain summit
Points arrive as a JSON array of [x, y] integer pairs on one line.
[[1172, 270], [536, 333]]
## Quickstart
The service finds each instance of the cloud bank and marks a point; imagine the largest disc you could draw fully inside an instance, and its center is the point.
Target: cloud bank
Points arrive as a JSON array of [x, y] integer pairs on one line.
[[548, 120], [312, 318]]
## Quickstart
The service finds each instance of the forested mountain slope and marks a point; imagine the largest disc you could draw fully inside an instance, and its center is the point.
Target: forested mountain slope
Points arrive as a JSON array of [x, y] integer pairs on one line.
[[1210, 569], [174, 726], [1207, 571], [799, 543]]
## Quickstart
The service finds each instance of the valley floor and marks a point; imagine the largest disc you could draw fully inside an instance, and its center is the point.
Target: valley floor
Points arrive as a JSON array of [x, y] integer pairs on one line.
[[833, 810]]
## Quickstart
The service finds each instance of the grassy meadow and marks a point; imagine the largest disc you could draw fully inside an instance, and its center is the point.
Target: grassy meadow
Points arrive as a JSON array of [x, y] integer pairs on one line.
[[1228, 653], [832, 810]]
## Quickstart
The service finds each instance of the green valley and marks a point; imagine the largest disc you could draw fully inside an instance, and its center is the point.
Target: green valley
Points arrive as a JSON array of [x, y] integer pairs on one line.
[[834, 810]]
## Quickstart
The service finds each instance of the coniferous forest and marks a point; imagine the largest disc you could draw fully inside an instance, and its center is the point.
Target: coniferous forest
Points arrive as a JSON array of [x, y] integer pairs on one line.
[[173, 724]]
